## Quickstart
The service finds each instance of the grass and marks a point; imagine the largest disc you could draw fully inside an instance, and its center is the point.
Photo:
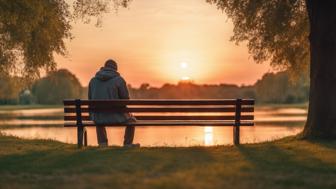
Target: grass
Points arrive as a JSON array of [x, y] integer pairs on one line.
[[287, 163]]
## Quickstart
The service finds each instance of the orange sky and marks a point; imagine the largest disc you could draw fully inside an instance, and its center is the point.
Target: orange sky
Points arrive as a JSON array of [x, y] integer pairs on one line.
[[151, 39]]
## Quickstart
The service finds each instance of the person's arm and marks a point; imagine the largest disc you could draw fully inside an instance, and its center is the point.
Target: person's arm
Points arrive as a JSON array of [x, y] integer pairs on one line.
[[123, 90], [124, 94], [89, 91], [90, 97]]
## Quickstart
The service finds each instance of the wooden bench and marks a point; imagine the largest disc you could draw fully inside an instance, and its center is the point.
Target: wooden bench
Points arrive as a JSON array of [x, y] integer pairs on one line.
[[224, 112]]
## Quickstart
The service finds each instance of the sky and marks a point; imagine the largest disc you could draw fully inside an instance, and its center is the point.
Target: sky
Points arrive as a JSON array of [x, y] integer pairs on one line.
[[164, 41]]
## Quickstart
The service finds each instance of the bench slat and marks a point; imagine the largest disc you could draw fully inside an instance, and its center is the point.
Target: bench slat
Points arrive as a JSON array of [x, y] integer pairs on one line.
[[165, 123], [174, 117], [159, 102], [166, 109]]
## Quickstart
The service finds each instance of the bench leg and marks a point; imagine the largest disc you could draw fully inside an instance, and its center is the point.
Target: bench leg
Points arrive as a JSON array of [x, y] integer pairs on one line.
[[236, 135], [80, 136], [85, 137]]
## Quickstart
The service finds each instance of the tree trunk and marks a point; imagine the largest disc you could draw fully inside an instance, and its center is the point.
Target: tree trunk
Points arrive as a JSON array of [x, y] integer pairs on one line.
[[321, 121]]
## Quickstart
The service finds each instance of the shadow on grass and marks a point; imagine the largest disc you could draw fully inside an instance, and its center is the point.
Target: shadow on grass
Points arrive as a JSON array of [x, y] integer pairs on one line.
[[109, 160], [288, 163], [302, 163]]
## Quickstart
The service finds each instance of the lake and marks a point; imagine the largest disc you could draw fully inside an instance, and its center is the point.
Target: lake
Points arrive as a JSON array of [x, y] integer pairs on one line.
[[272, 122]]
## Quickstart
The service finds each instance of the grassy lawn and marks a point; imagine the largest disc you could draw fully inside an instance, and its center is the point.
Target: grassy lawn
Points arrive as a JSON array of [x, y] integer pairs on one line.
[[287, 163]]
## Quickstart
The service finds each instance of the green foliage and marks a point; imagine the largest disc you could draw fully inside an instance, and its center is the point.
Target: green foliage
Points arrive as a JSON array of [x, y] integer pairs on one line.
[[275, 30], [62, 84], [9, 89], [277, 88], [188, 90], [85, 10], [31, 32], [57, 86], [26, 97], [271, 88]]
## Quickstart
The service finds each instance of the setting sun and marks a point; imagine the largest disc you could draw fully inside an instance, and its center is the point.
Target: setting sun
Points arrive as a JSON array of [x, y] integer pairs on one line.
[[185, 78], [185, 71], [184, 65], [166, 46]]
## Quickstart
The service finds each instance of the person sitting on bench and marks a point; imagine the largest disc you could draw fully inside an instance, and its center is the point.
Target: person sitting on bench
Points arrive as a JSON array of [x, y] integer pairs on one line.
[[108, 84]]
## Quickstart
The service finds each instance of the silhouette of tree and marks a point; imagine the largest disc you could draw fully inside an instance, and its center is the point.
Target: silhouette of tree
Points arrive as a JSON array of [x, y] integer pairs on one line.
[[57, 86], [277, 31]]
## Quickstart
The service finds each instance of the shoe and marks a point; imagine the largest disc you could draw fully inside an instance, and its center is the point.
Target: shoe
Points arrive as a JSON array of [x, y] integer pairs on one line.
[[137, 145], [103, 145]]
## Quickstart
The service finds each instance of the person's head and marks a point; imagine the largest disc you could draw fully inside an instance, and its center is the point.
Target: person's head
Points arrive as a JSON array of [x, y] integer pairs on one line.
[[111, 64]]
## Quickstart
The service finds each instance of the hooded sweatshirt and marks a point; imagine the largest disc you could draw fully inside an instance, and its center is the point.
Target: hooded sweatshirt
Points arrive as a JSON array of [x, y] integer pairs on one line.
[[108, 84]]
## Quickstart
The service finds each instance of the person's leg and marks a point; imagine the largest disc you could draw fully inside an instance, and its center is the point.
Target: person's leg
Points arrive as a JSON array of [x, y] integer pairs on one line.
[[129, 135], [101, 136]]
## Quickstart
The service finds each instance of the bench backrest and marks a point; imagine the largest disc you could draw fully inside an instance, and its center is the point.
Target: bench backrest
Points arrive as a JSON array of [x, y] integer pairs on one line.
[[229, 110]]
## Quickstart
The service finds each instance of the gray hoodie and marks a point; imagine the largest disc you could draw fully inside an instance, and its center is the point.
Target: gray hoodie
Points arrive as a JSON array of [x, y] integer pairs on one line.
[[108, 84]]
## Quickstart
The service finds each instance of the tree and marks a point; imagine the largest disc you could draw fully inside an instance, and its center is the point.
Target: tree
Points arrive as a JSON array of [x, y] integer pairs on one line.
[[284, 91], [57, 86], [31, 32], [277, 31], [9, 89], [322, 103]]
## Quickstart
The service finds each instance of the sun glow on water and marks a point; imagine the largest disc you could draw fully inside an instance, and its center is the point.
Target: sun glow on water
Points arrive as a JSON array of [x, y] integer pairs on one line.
[[208, 136]]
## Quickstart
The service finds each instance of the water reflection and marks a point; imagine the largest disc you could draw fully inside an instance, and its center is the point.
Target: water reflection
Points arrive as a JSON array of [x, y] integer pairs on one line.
[[271, 123], [208, 136], [37, 112], [162, 136], [32, 122]]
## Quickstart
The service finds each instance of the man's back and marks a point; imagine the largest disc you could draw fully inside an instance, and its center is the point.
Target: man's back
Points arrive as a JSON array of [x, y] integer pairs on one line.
[[108, 84]]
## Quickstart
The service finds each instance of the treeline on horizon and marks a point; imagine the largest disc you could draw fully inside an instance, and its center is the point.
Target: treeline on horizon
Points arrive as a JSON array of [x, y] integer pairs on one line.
[[272, 88]]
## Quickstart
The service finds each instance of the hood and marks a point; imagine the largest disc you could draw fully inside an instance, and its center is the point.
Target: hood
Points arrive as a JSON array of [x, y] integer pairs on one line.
[[105, 74]]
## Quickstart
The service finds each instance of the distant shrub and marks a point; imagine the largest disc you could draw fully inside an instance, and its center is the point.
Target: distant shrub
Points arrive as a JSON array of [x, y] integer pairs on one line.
[[277, 88], [26, 97], [9, 89], [56, 86]]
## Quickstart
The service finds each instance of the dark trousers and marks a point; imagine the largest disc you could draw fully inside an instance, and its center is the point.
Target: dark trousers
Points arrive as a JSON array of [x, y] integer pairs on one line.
[[102, 136]]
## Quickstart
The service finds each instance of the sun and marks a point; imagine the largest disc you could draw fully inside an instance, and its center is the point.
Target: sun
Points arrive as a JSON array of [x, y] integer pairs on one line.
[[185, 72], [185, 78], [184, 65]]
